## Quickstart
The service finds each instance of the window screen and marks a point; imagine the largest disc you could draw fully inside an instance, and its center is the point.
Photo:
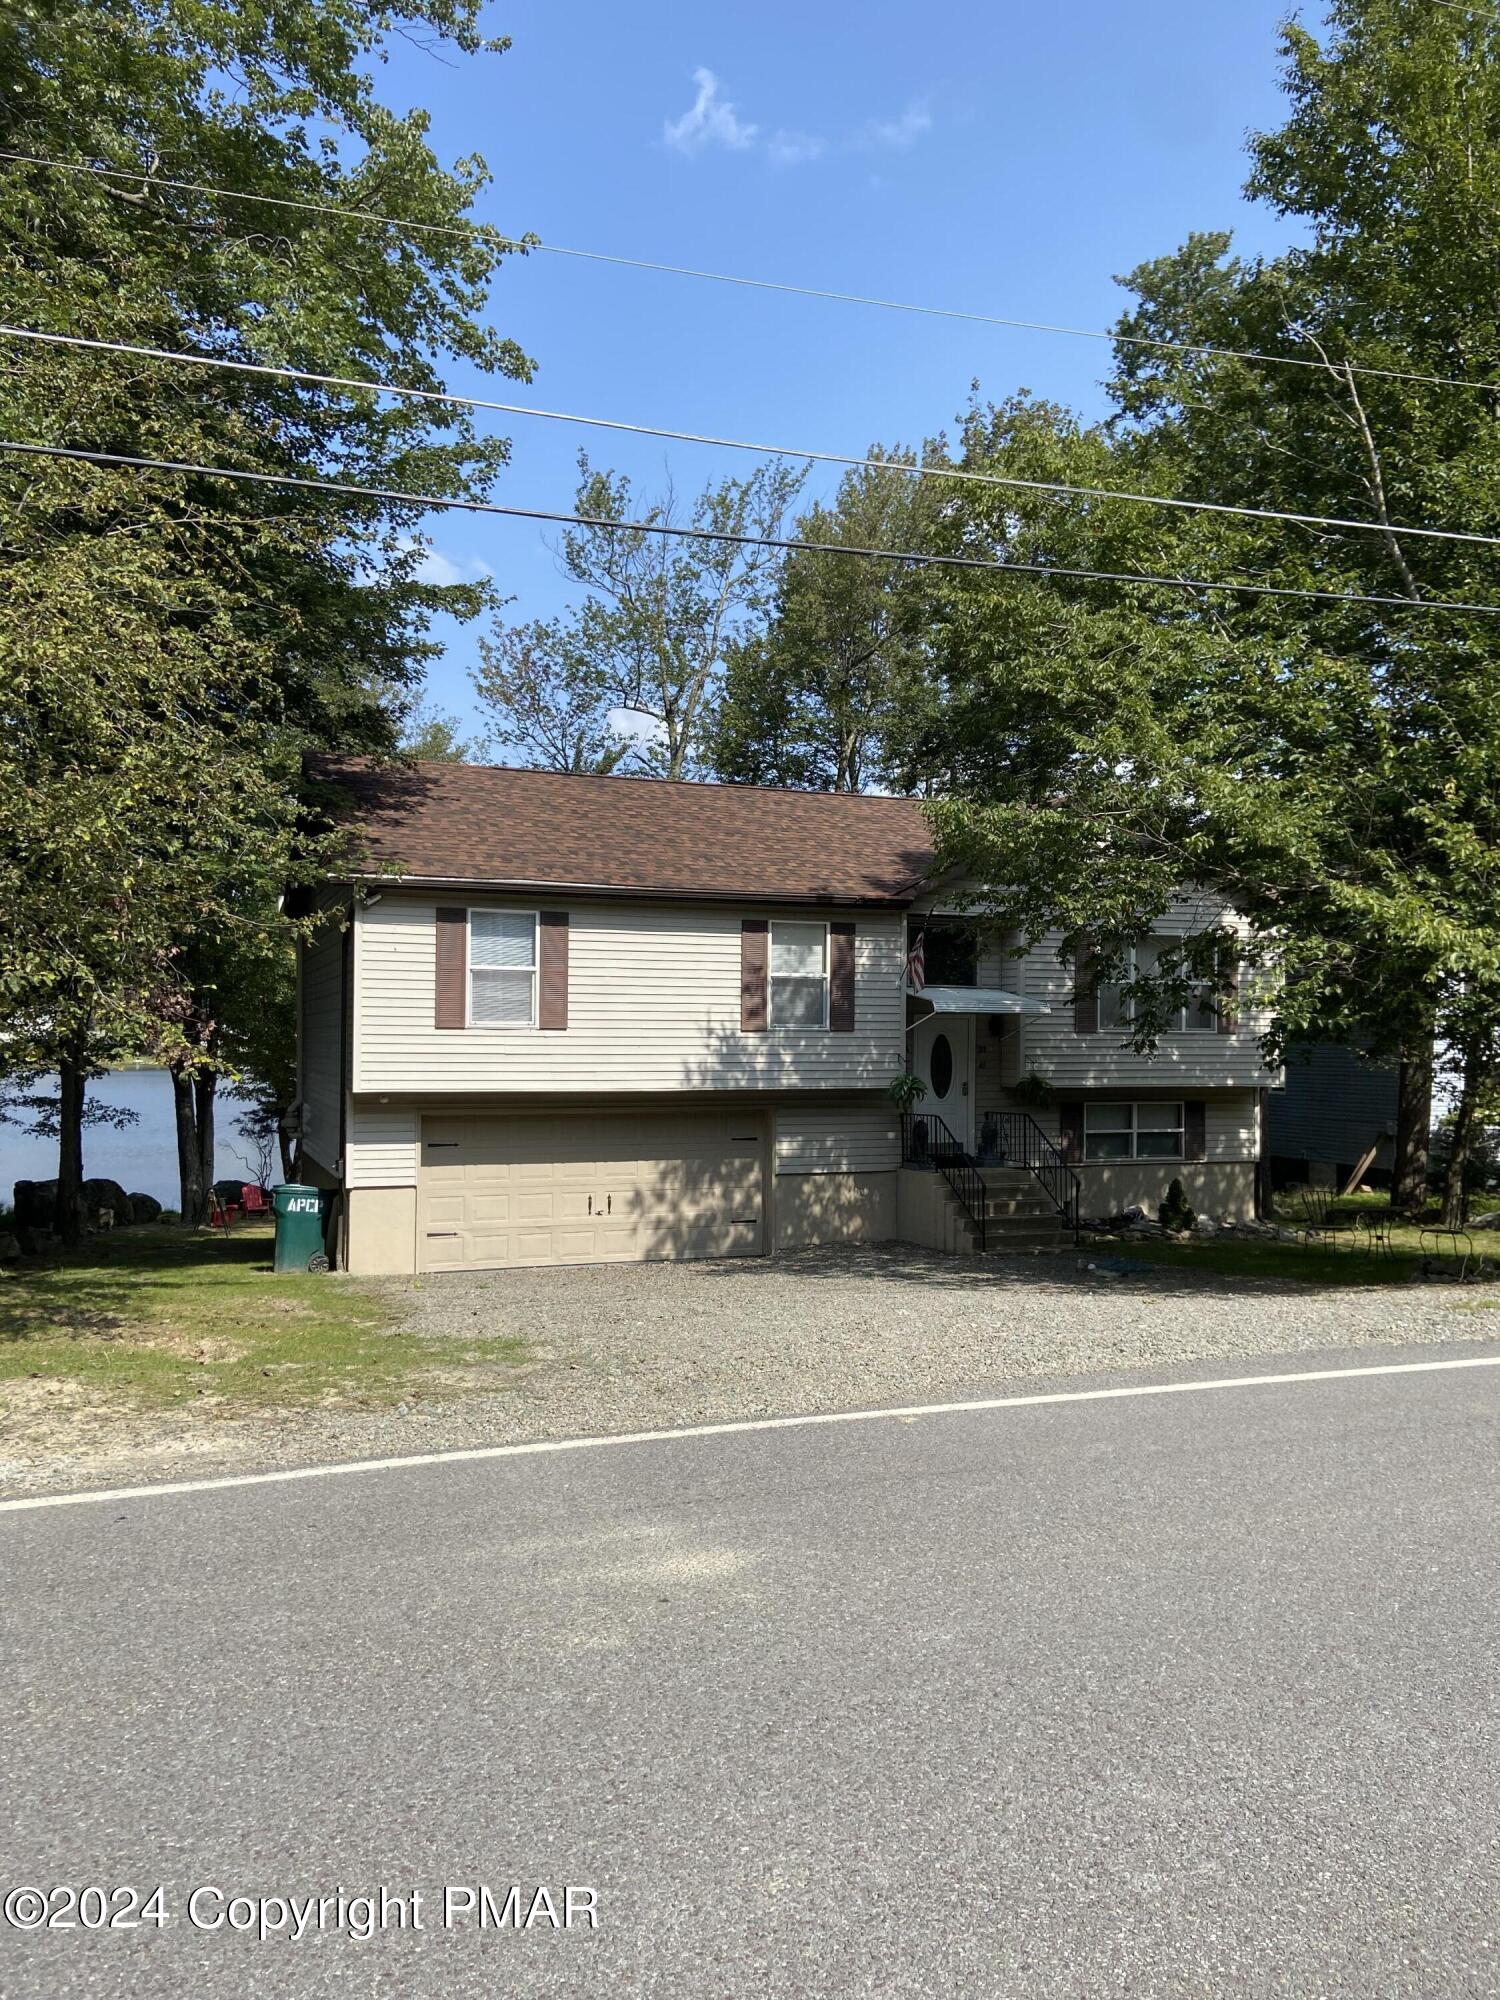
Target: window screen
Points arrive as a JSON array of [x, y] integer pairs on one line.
[[1108, 1132], [502, 968], [799, 975], [1132, 1132], [1158, 1131]]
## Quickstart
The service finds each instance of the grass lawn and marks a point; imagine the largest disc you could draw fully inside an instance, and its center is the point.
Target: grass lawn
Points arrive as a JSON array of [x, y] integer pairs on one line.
[[1313, 1263], [161, 1317]]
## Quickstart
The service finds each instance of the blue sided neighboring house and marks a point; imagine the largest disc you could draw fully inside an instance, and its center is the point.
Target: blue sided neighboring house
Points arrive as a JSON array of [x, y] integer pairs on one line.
[[1334, 1109]]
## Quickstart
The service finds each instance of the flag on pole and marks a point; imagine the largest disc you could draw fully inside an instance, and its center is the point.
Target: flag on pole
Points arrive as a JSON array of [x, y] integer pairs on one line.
[[916, 963]]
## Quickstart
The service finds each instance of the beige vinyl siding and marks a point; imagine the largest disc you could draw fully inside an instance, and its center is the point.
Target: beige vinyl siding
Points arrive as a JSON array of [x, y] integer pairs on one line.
[[1193, 1060], [653, 1005], [837, 1139], [322, 1080], [382, 1149]]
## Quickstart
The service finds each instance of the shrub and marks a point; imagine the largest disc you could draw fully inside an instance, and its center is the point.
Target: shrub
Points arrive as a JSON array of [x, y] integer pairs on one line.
[[1174, 1213]]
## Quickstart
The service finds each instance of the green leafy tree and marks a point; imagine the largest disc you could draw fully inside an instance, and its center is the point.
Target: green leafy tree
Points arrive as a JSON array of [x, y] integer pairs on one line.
[[1333, 767], [171, 643], [553, 700], [659, 618], [827, 698], [432, 736]]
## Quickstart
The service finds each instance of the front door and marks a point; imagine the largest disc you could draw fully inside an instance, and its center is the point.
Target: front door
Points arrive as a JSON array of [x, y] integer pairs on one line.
[[942, 1054]]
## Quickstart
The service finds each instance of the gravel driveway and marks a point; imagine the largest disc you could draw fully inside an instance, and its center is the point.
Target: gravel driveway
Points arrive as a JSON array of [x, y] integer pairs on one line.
[[626, 1347], [648, 1346]]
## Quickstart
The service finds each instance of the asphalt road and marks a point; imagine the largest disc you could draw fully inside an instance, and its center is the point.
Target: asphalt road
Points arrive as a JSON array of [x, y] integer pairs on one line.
[[1188, 1695]]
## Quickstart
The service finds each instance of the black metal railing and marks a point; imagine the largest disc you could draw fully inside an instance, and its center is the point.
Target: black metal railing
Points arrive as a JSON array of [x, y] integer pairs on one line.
[[927, 1142], [1023, 1143]]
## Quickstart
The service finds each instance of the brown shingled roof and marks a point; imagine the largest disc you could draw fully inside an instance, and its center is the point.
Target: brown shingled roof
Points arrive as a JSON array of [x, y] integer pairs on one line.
[[458, 824]]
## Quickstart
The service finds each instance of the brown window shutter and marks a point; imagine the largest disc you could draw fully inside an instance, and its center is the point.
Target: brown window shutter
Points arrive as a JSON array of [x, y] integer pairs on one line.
[[452, 1006], [755, 954], [1229, 1002], [1086, 1001], [552, 969], [1195, 1129], [841, 978], [1070, 1132]]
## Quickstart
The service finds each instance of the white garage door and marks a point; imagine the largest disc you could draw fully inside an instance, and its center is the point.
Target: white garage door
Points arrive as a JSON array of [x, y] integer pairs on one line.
[[588, 1190]]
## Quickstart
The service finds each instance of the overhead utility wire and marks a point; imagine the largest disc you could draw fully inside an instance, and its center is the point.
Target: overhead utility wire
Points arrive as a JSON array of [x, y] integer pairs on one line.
[[454, 399], [526, 244], [916, 557]]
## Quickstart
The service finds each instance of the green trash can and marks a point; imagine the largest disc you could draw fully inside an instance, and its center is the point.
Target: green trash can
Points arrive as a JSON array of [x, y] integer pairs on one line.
[[299, 1228]]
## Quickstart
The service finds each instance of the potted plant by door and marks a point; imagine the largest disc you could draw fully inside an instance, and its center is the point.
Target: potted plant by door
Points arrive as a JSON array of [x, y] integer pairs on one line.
[[906, 1093]]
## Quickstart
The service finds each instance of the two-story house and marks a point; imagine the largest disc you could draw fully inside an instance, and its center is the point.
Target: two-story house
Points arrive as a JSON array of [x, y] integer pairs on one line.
[[573, 1019]]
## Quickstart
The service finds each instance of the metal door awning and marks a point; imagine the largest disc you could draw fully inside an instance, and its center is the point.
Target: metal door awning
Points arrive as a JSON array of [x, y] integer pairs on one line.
[[974, 1000]]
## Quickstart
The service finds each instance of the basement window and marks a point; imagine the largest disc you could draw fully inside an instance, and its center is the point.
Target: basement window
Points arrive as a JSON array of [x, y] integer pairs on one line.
[[1132, 1132]]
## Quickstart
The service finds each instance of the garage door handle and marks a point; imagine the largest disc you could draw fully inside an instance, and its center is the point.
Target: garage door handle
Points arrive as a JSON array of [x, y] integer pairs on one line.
[[433, 1233]]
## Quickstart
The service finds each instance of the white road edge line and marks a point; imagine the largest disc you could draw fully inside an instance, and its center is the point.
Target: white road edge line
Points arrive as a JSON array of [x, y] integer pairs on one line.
[[103, 1496]]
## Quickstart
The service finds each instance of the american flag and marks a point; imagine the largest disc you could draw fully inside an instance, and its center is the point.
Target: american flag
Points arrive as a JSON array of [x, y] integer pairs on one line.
[[916, 963]]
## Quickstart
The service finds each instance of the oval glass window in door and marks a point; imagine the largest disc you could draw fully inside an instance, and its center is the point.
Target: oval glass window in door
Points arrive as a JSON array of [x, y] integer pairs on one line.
[[940, 1062]]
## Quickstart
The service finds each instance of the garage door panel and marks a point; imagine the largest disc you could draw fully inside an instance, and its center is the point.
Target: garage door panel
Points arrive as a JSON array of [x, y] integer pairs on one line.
[[443, 1250], [576, 1189]]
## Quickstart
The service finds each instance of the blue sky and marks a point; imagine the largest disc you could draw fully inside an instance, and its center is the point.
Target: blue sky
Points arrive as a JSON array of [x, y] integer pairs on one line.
[[996, 157]]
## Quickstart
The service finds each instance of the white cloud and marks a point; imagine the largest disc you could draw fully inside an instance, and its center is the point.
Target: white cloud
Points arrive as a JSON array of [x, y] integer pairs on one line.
[[794, 149], [712, 121], [437, 566], [709, 121], [900, 134]]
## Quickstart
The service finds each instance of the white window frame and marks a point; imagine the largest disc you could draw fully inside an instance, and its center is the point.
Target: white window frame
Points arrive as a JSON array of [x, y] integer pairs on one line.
[[1188, 1020], [796, 1027], [1134, 1106], [501, 1027]]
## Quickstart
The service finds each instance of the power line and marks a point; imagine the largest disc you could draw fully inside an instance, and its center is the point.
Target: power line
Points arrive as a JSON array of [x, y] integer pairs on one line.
[[1458, 7], [915, 557], [526, 244], [453, 399]]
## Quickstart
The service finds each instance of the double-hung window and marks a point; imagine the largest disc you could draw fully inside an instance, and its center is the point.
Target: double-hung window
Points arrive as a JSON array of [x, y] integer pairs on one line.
[[502, 968], [799, 975], [1117, 1010], [1132, 1132]]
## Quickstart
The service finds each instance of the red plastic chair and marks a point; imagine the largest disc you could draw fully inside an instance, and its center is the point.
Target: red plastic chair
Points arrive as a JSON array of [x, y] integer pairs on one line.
[[253, 1200]]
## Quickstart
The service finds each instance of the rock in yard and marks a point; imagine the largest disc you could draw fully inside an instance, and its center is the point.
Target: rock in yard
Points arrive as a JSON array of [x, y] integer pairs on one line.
[[105, 1197], [35, 1204]]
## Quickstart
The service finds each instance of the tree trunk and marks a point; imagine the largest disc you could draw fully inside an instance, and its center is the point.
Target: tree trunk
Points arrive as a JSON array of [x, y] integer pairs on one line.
[[205, 1087], [193, 1198], [1455, 1187], [1413, 1128], [72, 1082]]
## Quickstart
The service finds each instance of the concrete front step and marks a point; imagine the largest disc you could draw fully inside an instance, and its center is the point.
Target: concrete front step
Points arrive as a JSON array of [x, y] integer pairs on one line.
[[1016, 1236]]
